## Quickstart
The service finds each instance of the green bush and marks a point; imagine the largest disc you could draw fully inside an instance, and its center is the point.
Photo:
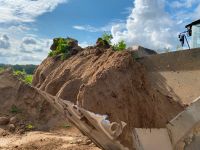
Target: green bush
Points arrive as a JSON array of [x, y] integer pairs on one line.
[[28, 79], [64, 56], [23, 76], [120, 46], [116, 47], [61, 46], [19, 73], [107, 37], [50, 54]]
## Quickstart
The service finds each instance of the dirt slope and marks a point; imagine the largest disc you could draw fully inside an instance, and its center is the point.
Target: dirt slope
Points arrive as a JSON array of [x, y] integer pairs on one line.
[[26, 103], [109, 83], [31, 107]]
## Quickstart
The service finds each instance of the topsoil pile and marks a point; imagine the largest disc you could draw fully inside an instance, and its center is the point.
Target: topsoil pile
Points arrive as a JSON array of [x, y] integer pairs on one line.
[[97, 79], [107, 82]]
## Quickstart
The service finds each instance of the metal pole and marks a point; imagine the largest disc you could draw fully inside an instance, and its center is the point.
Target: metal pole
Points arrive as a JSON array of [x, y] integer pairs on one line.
[[187, 42]]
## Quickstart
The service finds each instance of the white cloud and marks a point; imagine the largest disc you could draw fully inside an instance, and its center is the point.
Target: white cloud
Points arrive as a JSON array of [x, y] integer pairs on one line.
[[16, 17], [29, 41], [25, 10], [149, 25], [90, 28], [84, 44], [20, 51], [32, 45], [184, 3], [19, 28], [4, 42]]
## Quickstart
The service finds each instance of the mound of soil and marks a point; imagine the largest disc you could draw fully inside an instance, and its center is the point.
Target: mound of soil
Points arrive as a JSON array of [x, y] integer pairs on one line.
[[96, 79], [107, 82], [25, 106]]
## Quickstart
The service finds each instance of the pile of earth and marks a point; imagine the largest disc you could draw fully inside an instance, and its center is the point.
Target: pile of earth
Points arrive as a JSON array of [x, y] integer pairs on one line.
[[96, 78], [29, 121], [23, 107], [110, 83], [107, 82]]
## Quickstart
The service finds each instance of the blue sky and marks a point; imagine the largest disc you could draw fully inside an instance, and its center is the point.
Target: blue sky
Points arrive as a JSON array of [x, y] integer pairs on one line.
[[27, 27], [95, 13]]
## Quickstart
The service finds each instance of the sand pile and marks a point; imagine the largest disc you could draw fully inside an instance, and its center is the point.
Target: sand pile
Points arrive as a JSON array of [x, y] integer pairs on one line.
[[97, 79], [107, 82], [24, 107]]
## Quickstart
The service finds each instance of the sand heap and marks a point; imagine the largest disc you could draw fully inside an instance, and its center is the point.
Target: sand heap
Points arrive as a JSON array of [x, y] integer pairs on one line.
[[107, 82], [26, 105], [97, 79]]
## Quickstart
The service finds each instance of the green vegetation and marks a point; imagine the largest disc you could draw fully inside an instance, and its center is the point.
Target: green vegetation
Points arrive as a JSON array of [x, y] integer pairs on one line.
[[23, 76], [1, 69], [64, 56], [107, 37], [120, 46], [103, 42], [29, 69], [28, 79], [30, 126], [66, 126], [15, 110], [61, 46]]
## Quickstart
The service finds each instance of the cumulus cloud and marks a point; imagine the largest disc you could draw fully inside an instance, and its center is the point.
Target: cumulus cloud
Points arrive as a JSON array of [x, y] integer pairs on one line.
[[4, 42], [25, 10], [149, 25], [19, 28], [20, 51], [33, 45], [16, 19]]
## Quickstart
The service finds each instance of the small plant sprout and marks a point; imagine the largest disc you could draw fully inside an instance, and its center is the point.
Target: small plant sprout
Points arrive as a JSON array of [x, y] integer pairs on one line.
[[15, 110], [66, 126], [30, 126]]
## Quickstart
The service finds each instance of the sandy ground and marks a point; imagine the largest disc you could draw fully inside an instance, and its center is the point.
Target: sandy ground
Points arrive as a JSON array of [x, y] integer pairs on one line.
[[59, 139]]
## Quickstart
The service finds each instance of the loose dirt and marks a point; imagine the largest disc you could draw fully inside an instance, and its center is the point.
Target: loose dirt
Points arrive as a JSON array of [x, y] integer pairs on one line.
[[59, 139], [110, 83]]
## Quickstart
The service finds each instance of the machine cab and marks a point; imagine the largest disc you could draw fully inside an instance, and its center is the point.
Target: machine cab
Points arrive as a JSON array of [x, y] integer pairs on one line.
[[194, 31]]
